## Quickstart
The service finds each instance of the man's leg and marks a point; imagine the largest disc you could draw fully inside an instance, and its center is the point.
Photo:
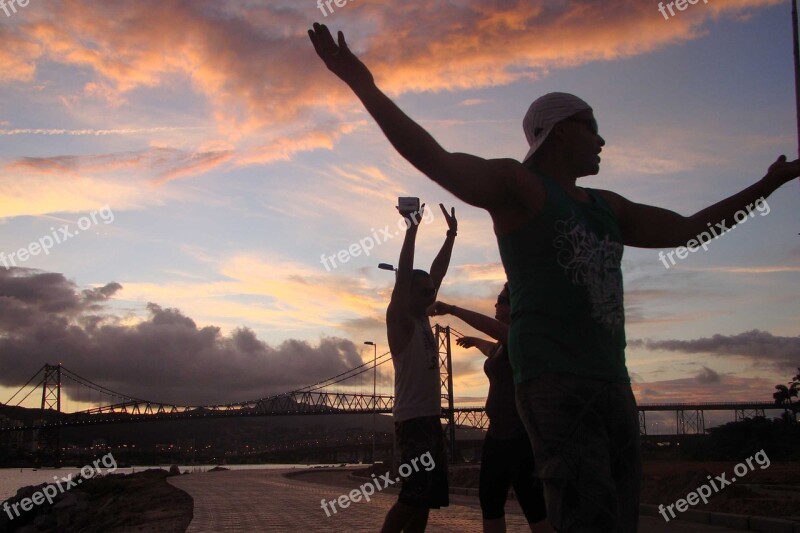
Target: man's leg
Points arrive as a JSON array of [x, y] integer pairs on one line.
[[528, 488], [424, 488], [626, 458], [494, 481], [418, 522], [405, 518], [566, 421]]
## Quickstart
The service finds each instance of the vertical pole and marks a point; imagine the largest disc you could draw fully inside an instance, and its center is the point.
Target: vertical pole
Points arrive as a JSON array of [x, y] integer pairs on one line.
[[58, 409], [374, 397], [58, 391], [450, 406], [374, 393], [44, 385]]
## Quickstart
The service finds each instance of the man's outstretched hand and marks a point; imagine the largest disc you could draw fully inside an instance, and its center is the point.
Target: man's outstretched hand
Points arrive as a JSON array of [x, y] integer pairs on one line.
[[438, 308], [783, 170], [338, 57], [469, 342]]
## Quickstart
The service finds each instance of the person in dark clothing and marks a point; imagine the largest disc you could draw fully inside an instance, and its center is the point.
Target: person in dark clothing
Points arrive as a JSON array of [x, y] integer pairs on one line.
[[507, 456]]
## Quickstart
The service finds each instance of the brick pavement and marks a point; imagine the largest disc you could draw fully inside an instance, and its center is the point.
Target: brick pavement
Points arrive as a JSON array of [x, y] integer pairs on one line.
[[267, 501]]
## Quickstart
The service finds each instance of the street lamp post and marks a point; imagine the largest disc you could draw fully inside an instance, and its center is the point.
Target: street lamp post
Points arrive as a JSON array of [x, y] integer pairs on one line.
[[374, 399]]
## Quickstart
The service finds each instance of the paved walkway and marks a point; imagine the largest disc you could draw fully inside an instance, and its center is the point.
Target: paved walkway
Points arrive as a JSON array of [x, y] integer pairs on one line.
[[265, 500]]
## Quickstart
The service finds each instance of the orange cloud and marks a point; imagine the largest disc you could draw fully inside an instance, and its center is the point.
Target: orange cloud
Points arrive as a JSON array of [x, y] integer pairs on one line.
[[257, 70], [18, 57]]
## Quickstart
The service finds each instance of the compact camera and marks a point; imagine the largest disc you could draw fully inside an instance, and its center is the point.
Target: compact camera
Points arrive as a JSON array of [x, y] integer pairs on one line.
[[408, 203]]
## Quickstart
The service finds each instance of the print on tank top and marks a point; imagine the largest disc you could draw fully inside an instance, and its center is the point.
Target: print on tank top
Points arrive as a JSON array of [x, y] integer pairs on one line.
[[595, 264]]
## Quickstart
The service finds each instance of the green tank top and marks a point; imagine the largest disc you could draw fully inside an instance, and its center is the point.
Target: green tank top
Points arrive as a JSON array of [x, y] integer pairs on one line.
[[564, 276]]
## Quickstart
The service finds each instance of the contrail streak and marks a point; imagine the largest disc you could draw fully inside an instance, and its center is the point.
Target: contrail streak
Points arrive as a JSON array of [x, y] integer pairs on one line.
[[126, 131]]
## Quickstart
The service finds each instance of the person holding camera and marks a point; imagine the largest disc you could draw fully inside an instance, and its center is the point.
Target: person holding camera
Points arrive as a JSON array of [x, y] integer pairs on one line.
[[417, 388], [507, 457]]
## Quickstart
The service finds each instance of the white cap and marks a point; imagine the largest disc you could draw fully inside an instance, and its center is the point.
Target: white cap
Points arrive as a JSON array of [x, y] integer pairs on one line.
[[544, 113]]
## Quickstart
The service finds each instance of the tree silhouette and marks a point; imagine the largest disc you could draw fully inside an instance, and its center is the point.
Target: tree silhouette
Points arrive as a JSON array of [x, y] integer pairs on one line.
[[783, 396]]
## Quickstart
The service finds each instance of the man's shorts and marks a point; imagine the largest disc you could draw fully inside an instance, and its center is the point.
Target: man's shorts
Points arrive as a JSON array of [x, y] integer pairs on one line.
[[585, 436], [426, 486]]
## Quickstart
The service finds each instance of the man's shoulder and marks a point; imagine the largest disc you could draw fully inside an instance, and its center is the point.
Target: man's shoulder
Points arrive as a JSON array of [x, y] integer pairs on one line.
[[526, 198], [615, 200], [514, 173]]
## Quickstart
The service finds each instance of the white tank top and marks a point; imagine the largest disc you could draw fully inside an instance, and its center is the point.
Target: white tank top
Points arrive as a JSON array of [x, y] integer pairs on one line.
[[417, 389]]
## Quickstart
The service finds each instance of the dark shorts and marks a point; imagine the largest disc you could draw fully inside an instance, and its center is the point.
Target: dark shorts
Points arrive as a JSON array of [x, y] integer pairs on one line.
[[585, 435], [506, 462], [426, 484]]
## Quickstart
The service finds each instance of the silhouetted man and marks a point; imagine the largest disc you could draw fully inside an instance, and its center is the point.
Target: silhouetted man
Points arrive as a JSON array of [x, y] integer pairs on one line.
[[561, 246], [417, 389]]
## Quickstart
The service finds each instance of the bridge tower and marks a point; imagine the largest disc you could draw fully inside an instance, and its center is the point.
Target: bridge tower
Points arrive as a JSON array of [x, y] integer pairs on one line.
[[744, 413], [446, 377], [50, 436], [687, 424], [51, 388]]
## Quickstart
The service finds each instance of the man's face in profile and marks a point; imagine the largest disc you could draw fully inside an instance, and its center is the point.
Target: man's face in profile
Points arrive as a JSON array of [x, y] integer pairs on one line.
[[583, 143]]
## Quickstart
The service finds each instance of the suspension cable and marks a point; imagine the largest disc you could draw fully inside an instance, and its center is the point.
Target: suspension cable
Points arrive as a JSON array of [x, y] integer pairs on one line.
[[41, 381], [32, 378]]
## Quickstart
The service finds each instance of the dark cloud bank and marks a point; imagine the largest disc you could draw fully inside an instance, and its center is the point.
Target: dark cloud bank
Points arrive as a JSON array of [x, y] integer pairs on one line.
[[762, 347], [45, 318]]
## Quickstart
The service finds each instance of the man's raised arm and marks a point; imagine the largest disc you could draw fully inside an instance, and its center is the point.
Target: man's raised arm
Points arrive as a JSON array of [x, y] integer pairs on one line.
[[486, 324], [477, 181], [653, 227], [442, 262], [405, 265]]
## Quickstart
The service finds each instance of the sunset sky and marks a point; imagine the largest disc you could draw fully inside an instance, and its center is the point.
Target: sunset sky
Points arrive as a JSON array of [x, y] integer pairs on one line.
[[221, 160]]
